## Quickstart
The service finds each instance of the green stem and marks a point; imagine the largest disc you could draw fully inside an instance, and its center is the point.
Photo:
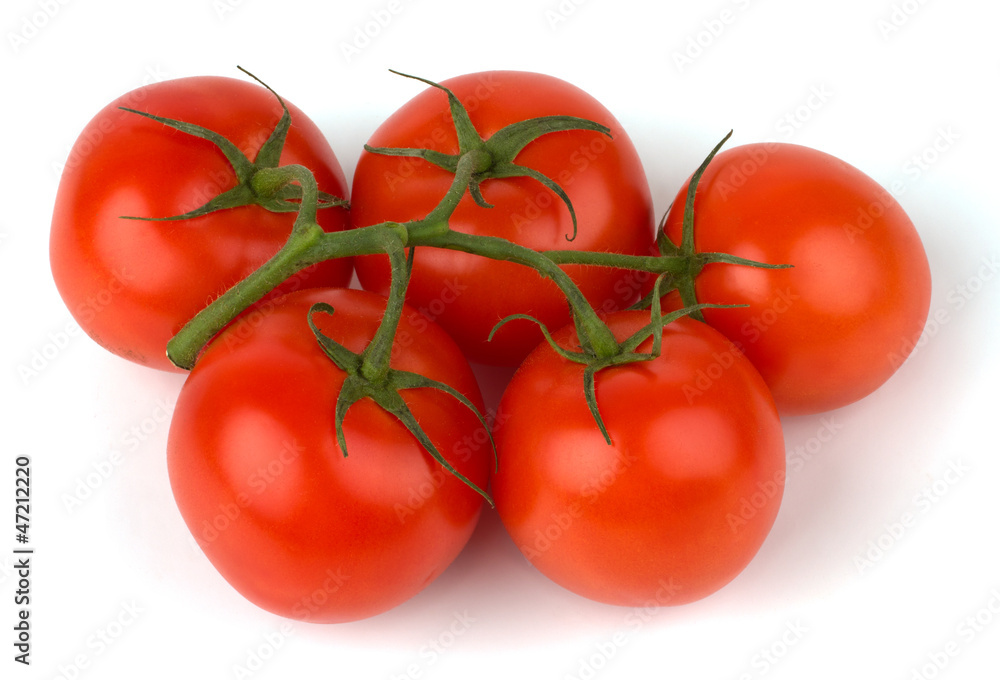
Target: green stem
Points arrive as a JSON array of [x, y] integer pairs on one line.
[[434, 231], [594, 332], [269, 182], [655, 264], [307, 245], [375, 362], [436, 222]]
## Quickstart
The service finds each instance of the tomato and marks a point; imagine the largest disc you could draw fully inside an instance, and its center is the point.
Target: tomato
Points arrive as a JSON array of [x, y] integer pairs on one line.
[[290, 522], [131, 284], [679, 503], [467, 294], [836, 326]]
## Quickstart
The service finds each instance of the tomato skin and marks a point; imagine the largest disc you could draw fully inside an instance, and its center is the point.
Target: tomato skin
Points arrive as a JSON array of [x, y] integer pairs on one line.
[[680, 502], [131, 285], [292, 524], [835, 327], [468, 294]]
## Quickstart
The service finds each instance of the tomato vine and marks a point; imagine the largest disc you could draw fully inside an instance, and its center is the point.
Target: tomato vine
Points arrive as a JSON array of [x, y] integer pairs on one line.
[[478, 160]]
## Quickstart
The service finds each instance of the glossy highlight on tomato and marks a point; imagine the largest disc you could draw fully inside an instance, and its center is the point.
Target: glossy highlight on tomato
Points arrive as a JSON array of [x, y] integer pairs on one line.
[[131, 285], [837, 325], [681, 500], [467, 294], [290, 522]]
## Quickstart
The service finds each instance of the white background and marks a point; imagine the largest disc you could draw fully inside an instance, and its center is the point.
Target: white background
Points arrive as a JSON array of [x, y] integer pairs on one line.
[[905, 90]]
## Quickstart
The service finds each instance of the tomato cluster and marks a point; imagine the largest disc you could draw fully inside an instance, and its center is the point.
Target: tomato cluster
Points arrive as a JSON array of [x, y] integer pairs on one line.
[[320, 451]]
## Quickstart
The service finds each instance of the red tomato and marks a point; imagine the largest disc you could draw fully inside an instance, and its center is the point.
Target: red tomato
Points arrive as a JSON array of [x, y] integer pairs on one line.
[[131, 284], [835, 327], [468, 294], [679, 503], [292, 524]]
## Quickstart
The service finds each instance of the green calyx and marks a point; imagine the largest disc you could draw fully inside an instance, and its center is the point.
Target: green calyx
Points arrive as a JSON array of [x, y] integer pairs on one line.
[[628, 350], [691, 261], [495, 155], [254, 186], [370, 376]]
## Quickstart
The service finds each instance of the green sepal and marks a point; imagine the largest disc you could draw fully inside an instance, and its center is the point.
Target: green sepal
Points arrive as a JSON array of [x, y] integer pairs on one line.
[[632, 343], [284, 198], [663, 242], [628, 349], [405, 380], [591, 365], [687, 238], [443, 160], [511, 139], [502, 147], [345, 359], [386, 393], [515, 170], [683, 281], [241, 165], [351, 392], [685, 284], [468, 137], [564, 353], [590, 394]]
